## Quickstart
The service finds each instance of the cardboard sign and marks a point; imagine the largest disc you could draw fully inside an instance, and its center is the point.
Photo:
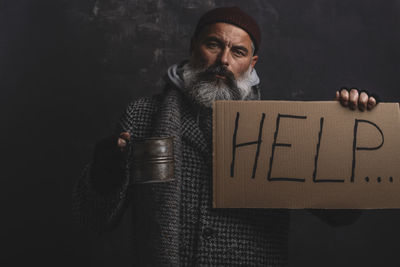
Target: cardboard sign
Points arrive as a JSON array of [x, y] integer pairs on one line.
[[284, 154]]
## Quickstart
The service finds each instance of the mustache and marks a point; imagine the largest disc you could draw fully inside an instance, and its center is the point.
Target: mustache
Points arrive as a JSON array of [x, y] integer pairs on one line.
[[220, 70]]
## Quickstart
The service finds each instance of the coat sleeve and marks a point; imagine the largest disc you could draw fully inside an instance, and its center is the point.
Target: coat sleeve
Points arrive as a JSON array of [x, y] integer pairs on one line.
[[96, 209], [101, 210]]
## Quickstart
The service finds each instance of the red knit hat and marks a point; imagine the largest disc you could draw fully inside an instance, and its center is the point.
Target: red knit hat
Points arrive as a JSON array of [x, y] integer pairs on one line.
[[235, 16]]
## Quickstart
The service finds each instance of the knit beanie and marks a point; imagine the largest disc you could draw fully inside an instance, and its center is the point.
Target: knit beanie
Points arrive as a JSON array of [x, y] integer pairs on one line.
[[234, 16]]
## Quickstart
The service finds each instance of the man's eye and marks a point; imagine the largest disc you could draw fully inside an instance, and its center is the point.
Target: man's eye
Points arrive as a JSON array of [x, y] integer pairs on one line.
[[239, 53], [212, 45]]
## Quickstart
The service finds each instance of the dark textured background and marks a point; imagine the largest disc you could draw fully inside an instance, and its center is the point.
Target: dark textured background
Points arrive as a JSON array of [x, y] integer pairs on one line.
[[68, 68]]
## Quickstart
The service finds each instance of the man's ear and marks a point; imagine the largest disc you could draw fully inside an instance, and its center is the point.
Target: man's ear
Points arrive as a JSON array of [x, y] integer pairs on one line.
[[254, 61]]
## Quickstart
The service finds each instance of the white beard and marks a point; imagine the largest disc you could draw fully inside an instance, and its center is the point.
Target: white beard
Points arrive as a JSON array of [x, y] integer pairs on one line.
[[206, 92]]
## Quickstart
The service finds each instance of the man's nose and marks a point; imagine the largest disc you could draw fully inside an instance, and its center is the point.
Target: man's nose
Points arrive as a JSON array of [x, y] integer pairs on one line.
[[224, 57]]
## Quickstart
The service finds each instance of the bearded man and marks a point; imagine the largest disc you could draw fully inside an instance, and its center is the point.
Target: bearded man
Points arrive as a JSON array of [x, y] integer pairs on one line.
[[174, 223]]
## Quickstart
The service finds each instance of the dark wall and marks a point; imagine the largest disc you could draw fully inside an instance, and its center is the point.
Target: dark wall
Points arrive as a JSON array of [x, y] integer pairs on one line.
[[68, 68]]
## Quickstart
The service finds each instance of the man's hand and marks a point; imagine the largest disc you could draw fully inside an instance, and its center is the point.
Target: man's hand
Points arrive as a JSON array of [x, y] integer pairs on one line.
[[109, 162], [123, 140], [355, 99], [111, 152]]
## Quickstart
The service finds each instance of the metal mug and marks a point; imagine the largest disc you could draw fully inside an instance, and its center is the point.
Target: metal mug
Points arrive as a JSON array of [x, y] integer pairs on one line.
[[152, 160]]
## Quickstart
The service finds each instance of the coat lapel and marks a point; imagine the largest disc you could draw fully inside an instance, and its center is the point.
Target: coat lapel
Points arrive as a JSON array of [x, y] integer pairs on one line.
[[192, 133]]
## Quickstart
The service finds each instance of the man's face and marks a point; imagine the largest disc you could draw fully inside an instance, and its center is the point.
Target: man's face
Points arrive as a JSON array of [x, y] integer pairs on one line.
[[221, 65], [223, 44]]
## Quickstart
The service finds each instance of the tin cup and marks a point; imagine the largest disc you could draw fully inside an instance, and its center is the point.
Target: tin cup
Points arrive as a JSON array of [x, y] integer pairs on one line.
[[152, 160]]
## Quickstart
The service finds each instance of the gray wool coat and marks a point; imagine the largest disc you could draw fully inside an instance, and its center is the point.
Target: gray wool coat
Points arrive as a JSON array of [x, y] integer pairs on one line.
[[174, 223]]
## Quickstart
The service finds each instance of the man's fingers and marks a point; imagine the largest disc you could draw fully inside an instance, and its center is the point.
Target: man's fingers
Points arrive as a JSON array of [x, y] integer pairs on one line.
[[125, 135], [344, 97], [363, 101], [337, 96], [371, 103], [353, 98], [123, 139], [121, 143]]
